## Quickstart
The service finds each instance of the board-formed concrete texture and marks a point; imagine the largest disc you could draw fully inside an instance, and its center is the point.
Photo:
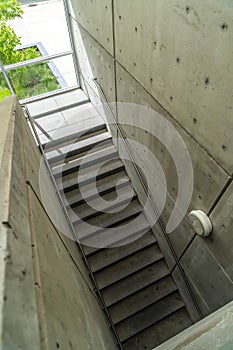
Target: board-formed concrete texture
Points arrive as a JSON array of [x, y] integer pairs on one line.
[[96, 17], [95, 62], [207, 275], [72, 315], [221, 239], [181, 52], [46, 297], [209, 178], [17, 292]]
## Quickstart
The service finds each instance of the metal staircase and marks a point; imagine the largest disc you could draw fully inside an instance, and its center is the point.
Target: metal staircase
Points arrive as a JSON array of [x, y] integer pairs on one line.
[[138, 291]]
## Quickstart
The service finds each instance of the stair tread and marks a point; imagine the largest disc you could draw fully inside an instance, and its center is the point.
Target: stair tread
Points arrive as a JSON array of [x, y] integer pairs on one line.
[[142, 299], [122, 289], [96, 226], [86, 161], [74, 180], [160, 332], [128, 266], [95, 206], [122, 251], [91, 192], [100, 184], [116, 236], [111, 255], [50, 105], [79, 147], [62, 141], [149, 316]]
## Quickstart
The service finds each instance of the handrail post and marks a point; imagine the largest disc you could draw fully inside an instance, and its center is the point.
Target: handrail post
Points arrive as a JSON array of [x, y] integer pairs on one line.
[[71, 35]]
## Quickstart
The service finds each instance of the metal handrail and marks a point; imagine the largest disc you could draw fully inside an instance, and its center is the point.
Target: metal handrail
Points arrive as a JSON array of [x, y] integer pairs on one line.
[[36, 60], [96, 288], [45, 95], [160, 224], [18, 65], [72, 41]]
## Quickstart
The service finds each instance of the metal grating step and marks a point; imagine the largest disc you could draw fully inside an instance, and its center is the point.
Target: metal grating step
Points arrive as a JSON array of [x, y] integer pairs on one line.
[[110, 202], [149, 316], [79, 147], [135, 282], [117, 236], [84, 162], [128, 266], [159, 332], [108, 221], [66, 140], [142, 299], [111, 255], [74, 180]]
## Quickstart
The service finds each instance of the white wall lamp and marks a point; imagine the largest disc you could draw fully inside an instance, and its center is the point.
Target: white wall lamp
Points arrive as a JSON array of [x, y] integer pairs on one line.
[[200, 223]]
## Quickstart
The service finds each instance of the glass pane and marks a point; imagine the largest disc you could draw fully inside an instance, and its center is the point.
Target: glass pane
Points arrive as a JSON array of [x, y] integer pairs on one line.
[[43, 24], [43, 77]]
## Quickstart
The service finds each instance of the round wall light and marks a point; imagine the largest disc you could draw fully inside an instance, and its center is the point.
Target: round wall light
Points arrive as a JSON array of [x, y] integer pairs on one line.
[[200, 223]]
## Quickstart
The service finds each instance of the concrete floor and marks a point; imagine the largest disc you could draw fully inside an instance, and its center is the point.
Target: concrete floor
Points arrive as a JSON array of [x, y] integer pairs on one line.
[[45, 23], [65, 122], [32, 2]]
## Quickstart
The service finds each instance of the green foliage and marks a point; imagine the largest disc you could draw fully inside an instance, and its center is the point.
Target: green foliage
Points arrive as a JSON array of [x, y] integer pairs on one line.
[[27, 81], [10, 9], [8, 41], [33, 80], [4, 92]]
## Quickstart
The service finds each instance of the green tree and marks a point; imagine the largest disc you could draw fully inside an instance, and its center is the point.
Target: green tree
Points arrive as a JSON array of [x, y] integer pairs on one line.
[[27, 81], [9, 9]]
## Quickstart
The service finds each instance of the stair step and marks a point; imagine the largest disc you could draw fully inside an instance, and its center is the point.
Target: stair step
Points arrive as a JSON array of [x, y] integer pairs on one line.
[[72, 99], [107, 187], [86, 161], [149, 316], [73, 181], [110, 202], [128, 266], [138, 233], [100, 184], [136, 285], [70, 128], [79, 147], [160, 332], [63, 141], [96, 226], [142, 299], [114, 237], [111, 255], [135, 282]]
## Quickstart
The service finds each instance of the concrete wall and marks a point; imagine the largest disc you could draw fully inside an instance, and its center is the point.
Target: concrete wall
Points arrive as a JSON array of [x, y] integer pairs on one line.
[[175, 57], [214, 332], [46, 298]]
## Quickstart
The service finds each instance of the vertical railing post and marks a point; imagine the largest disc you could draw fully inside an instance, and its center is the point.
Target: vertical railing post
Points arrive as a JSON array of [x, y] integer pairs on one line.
[[72, 43]]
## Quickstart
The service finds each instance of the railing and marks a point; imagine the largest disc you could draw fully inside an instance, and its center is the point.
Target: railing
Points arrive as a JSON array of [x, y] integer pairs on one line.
[[159, 225], [5, 69], [61, 201]]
